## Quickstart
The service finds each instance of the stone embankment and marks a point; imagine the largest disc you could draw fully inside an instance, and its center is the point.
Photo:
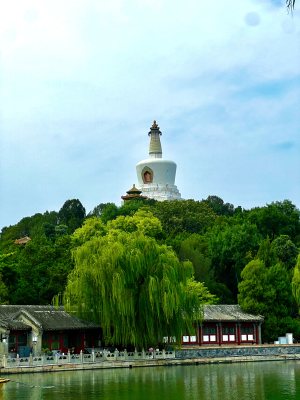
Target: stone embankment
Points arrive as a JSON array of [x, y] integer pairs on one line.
[[124, 359]]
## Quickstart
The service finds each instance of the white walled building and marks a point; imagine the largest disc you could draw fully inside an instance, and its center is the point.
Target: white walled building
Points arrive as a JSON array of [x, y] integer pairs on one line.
[[156, 176]]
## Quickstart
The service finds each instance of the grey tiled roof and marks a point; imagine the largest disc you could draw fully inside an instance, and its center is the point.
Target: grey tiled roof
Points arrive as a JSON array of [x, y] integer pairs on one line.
[[50, 318], [46, 317], [14, 325], [224, 312]]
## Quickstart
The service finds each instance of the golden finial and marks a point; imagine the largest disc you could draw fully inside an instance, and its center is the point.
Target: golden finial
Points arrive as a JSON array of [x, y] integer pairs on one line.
[[154, 125]]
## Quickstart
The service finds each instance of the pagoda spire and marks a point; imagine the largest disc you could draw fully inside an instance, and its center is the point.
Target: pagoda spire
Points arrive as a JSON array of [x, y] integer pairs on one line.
[[155, 150]]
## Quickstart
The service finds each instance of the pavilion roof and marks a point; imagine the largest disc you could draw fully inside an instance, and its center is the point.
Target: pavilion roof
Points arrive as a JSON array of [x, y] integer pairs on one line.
[[45, 317], [224, 312]]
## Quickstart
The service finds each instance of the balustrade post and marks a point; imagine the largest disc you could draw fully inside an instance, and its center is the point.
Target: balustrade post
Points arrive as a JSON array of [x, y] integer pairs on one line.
[[93, 355], [105, 353], [30, 360], [81, 357], [69, 356], [125, 355], [4, 361], [18, 360]]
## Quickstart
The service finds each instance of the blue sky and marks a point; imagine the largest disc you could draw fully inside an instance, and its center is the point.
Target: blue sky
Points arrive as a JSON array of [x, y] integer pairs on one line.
[[82, 81]]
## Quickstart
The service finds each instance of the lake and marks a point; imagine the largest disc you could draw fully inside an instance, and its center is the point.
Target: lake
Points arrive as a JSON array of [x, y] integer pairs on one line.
[[241, 381]]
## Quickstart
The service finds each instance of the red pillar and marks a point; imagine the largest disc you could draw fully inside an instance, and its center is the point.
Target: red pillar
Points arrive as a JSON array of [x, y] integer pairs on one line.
[[200, 335], [256, 333], [238, 333], [219, 330]]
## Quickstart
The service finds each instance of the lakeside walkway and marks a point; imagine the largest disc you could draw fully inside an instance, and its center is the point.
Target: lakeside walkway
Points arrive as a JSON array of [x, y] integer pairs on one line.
[[124, 359]]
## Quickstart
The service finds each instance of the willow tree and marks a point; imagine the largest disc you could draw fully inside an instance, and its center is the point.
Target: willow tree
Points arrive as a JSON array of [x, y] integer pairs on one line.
[[296, 282], [290, 4], [135, 288]]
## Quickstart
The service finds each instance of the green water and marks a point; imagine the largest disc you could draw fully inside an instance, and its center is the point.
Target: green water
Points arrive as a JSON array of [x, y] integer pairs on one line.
[[259, 381]]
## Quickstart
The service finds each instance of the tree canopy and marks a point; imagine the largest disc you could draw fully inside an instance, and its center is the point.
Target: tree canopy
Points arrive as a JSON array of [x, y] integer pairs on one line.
[[296, 282], [290, 4], [135, 288], [71, 214], [268, 291], [216, 238]]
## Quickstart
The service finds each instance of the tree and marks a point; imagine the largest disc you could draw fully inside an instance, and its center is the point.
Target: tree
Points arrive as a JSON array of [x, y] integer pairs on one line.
[[255, 290], [178, 216], [265, 252], [136, 289], [132, 206], [285, 250], [142, 221], [92, 227], [290, 4], [296, 282], [3, 292], [267, 291], [35, 226], [34, 273], [71, 214], [277, 218], [195, 248], [219, 207], [232, 246], [106, 211], [281, 250]]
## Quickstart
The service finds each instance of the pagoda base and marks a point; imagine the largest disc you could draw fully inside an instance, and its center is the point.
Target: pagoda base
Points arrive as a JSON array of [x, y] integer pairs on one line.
[[160, 192]]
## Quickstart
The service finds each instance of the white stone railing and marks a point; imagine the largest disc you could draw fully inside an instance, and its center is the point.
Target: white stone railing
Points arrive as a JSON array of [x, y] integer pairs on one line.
[[82, 358]]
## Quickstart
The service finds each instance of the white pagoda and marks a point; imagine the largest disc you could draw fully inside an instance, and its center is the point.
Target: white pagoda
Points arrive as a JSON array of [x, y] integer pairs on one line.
[[156, 176]]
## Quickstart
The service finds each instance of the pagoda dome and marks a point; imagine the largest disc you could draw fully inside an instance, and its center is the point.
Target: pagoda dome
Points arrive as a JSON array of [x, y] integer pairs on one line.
[[156, 176]]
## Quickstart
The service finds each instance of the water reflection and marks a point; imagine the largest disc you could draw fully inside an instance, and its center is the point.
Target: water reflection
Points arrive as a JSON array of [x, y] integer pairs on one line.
[[263, 381]]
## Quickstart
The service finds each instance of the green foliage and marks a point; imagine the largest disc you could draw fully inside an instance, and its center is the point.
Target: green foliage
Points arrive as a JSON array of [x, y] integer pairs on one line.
[[256, 292], [195, 249], [142, 221], [285, 251], [3, 292], [136, 289], [266, 253], [92, 227], [179, 216], [105, 211], [232, 246], [132, 206], [218, 239], [296, 282], [34, 273], [277, 218], [71, 214], [201, 291], [283, 300], [109, 211], [219, 207], [267, 291], [33, 227], [290, 324]]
